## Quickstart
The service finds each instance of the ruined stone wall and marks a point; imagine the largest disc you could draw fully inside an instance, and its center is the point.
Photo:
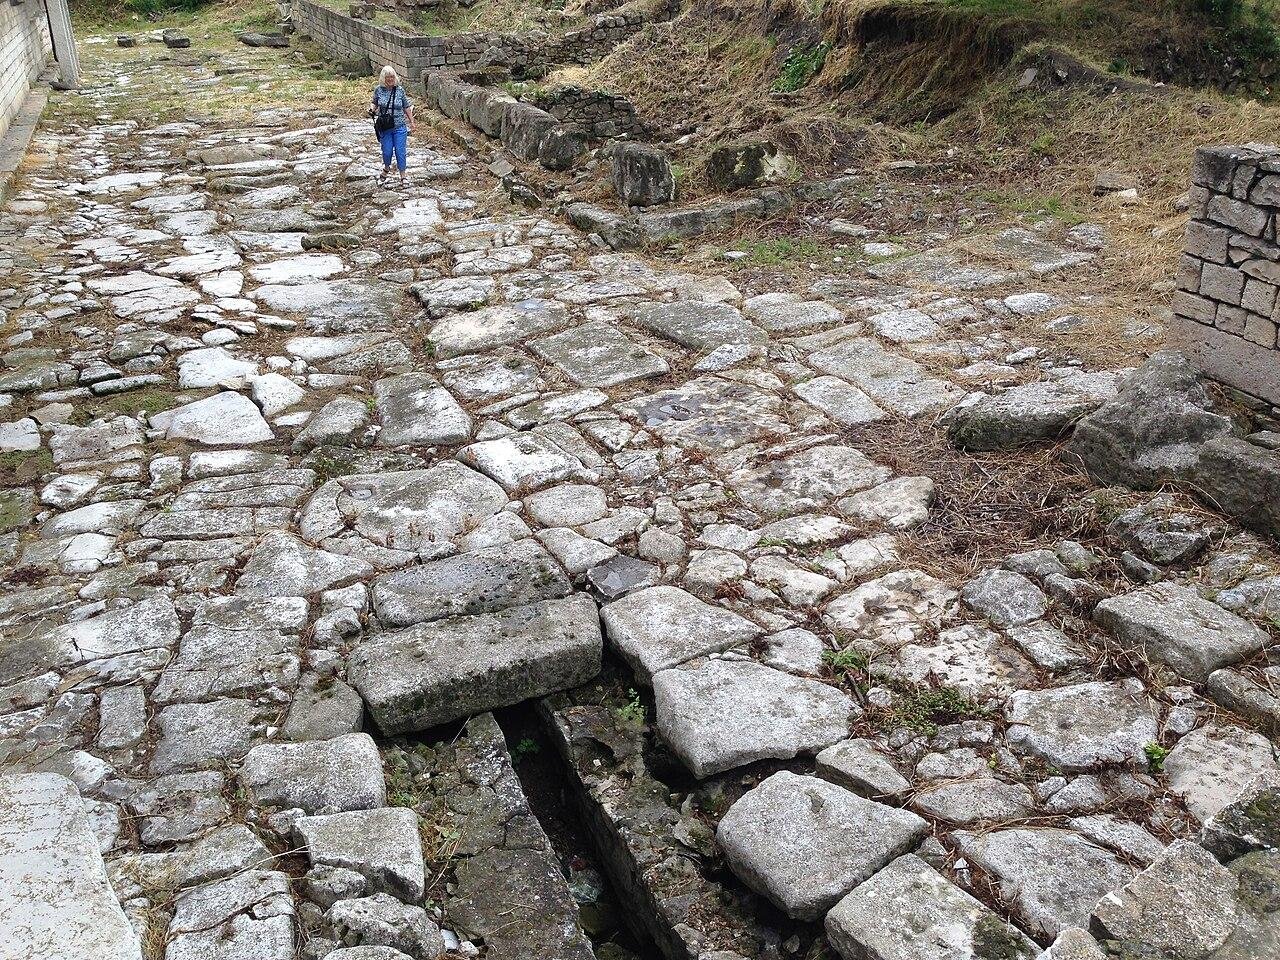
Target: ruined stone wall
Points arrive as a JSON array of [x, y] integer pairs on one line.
[[25, 50], [1227, 307], [349, 39], [601, 115], [526, 55]]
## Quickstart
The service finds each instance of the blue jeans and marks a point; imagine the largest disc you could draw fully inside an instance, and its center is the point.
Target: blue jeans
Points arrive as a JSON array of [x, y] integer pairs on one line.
[[394, 140]]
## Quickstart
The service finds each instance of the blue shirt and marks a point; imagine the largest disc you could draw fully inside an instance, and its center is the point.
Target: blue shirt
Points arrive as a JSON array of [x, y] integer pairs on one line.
[[395, 99]]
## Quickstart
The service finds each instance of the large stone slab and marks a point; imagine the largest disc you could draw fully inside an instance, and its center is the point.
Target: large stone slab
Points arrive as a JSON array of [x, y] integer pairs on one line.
[[1084, 725], [710, 413], [248, 916], [1029, 413], [55, 900], [808, 480], [432, 673], [663, 626], [805, 843], [484, 581], [1173, 625], [490, 327], [893, 382], [226, 418], [1212, 766], [404, 509], [416, 410], [700, 326], [721, 714], [909, 911], [599, 355], [1051, 878], [284, 566], [522, 462]]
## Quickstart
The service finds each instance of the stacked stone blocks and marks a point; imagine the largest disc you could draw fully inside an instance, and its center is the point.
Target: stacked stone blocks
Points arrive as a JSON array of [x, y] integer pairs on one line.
[[413, 55], [1227, 305], [604, 116]]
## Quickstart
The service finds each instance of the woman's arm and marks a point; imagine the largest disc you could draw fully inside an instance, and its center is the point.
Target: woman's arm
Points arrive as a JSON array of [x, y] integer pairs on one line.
[[408, 115]]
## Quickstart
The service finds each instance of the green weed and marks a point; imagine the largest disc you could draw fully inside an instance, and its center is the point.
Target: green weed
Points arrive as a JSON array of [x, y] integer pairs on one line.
[[1155, 756], [632, 713], [801, 66]]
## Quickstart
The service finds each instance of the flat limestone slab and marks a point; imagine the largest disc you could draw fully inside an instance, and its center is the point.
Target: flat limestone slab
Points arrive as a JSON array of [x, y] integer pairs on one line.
[[805, 843], [432, 673], [909, 911], [55, 901], [484, 581], [664, 626], [722, 714]]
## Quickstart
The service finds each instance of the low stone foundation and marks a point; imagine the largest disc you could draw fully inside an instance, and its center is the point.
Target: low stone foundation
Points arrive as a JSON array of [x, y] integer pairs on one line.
[[1227, 306], [602, 116]]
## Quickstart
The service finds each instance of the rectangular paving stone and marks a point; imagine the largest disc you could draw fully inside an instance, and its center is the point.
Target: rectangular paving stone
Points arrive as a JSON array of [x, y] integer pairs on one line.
[[598, 355], [432, 673]]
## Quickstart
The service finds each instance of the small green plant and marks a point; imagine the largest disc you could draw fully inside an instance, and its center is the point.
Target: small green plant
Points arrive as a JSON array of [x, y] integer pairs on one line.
[[801, 65], [1155, 756], [631, 713], [925, 709], [847, 661], [525, 748]]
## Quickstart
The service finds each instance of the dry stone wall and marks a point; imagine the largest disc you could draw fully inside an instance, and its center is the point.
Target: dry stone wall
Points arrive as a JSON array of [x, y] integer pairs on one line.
[[603, 116], [1227, 306], [525, 55], [25, 50]]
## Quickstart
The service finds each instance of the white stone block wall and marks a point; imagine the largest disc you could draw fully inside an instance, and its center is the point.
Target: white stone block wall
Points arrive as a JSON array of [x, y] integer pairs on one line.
[[25, 50], [1227, 307]]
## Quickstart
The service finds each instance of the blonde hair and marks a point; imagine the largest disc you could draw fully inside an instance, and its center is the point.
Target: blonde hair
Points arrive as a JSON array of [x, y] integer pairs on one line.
[[387, 71]]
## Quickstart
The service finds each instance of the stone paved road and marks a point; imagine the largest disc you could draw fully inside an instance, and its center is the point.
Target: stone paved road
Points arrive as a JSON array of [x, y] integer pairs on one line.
[[295, 465]]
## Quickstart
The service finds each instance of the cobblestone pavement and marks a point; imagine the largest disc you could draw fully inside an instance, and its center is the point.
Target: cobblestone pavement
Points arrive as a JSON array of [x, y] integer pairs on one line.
[[305, 478]]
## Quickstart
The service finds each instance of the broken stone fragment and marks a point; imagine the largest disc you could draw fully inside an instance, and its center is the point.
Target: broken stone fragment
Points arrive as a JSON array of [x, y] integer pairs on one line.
[[381, 845]]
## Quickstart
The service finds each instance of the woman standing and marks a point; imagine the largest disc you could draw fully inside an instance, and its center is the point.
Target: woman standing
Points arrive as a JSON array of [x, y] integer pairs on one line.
[[392, 113]]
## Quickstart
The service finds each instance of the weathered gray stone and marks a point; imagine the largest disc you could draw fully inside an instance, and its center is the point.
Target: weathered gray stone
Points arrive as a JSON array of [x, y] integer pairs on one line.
[[909, 911], [1184, 905], [664, 626], [1085, 725], [642, 175], [283, 566], [1005, 598], [178, 807], [808, 480], [721, 714], [341, 421], [699, 325], [484, 329], [1173, 625], [432, 673], [192, 734], [1031, 413], [1250, 822], [484, 581], [381, 845], [320, 776], [381, 920], [859, 766], [599, 355], [1152, 432], [805, 843], [979, 800], [246, 915], [225, 419], [1210, 767], [55, 900], [416, 410], [1052, 878]]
